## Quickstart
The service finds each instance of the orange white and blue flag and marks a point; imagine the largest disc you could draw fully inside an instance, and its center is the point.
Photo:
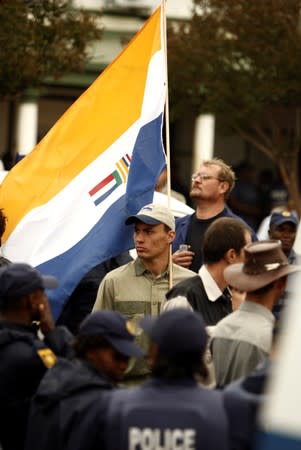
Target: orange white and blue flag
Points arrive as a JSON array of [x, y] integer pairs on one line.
[[67, 200]]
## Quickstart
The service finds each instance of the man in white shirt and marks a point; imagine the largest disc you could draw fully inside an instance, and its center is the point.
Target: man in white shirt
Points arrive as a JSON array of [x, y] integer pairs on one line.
[[208, 292]]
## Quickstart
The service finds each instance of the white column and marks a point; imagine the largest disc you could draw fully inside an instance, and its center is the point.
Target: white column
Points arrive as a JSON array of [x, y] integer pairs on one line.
[[203, 139], [27, 126]]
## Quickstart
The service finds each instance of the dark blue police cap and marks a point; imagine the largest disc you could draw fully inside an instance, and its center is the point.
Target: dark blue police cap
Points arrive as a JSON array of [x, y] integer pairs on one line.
[[19, 279], [278, 218], [176, 331], [115, 328]]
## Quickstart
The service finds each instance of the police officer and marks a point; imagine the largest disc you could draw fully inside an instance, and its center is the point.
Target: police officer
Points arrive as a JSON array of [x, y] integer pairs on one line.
[[24, 357], [171, 410], [76, 391]]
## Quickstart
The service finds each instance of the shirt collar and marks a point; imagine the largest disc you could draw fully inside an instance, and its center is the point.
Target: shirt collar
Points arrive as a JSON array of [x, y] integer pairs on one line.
[[212, 290], [140, 269], [253, 307]]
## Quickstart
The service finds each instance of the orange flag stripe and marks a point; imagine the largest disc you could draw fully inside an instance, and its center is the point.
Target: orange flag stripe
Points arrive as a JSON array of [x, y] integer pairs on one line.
[[89, 127]]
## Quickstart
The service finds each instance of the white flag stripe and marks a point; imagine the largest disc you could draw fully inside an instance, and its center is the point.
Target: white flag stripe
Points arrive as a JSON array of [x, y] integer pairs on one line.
[[81, 214], [103, 190], [72, 209]]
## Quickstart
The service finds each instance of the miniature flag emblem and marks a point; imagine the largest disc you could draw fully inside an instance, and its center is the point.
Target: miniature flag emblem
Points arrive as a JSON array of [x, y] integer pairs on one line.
[[105, 188]]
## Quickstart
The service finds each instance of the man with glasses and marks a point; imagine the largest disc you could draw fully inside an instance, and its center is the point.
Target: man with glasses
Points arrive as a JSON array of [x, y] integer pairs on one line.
[[211, 187]]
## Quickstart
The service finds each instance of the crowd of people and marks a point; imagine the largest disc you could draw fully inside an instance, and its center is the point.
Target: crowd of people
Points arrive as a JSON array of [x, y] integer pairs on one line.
[[169, 350]]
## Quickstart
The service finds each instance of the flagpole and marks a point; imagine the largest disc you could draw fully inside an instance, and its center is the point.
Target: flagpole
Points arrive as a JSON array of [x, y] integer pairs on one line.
[[167, 135]]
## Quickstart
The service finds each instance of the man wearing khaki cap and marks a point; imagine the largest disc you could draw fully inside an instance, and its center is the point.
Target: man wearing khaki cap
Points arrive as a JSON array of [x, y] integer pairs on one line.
[[139, 287], [243, 339]]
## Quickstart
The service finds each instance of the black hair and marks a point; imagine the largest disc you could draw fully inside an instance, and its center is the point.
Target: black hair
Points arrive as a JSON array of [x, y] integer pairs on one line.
[[185, 365], [166, 228], [222, 235]]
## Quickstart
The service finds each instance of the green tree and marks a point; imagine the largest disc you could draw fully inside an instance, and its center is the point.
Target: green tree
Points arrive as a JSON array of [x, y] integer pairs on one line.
[[39, 39], [241, 60]]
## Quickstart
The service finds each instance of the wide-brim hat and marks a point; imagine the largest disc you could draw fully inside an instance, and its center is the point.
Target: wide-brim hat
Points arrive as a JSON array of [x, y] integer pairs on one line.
[[264, 263]]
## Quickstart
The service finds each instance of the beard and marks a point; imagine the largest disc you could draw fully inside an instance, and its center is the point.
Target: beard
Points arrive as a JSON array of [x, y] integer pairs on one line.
[[195, 193]]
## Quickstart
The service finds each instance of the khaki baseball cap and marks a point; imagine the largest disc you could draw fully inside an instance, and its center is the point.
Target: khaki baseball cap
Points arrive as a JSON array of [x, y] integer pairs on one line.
[[153, 214]]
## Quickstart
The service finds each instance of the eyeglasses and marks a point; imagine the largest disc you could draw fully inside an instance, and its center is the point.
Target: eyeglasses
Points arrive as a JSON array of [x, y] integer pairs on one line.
[[203, 177]]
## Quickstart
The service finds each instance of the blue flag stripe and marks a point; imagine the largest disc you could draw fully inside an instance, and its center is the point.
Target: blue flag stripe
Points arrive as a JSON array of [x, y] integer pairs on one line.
[[110, 236]]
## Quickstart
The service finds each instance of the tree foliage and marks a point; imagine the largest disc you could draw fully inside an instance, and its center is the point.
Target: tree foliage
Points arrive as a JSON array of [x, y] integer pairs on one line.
[[40, 39], [241, 60]]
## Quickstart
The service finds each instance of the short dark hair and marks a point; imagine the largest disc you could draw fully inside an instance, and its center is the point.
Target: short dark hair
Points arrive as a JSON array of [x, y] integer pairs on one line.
[[222, 235], [167, 228], [188, 364], [3, 220], [84, 343]]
